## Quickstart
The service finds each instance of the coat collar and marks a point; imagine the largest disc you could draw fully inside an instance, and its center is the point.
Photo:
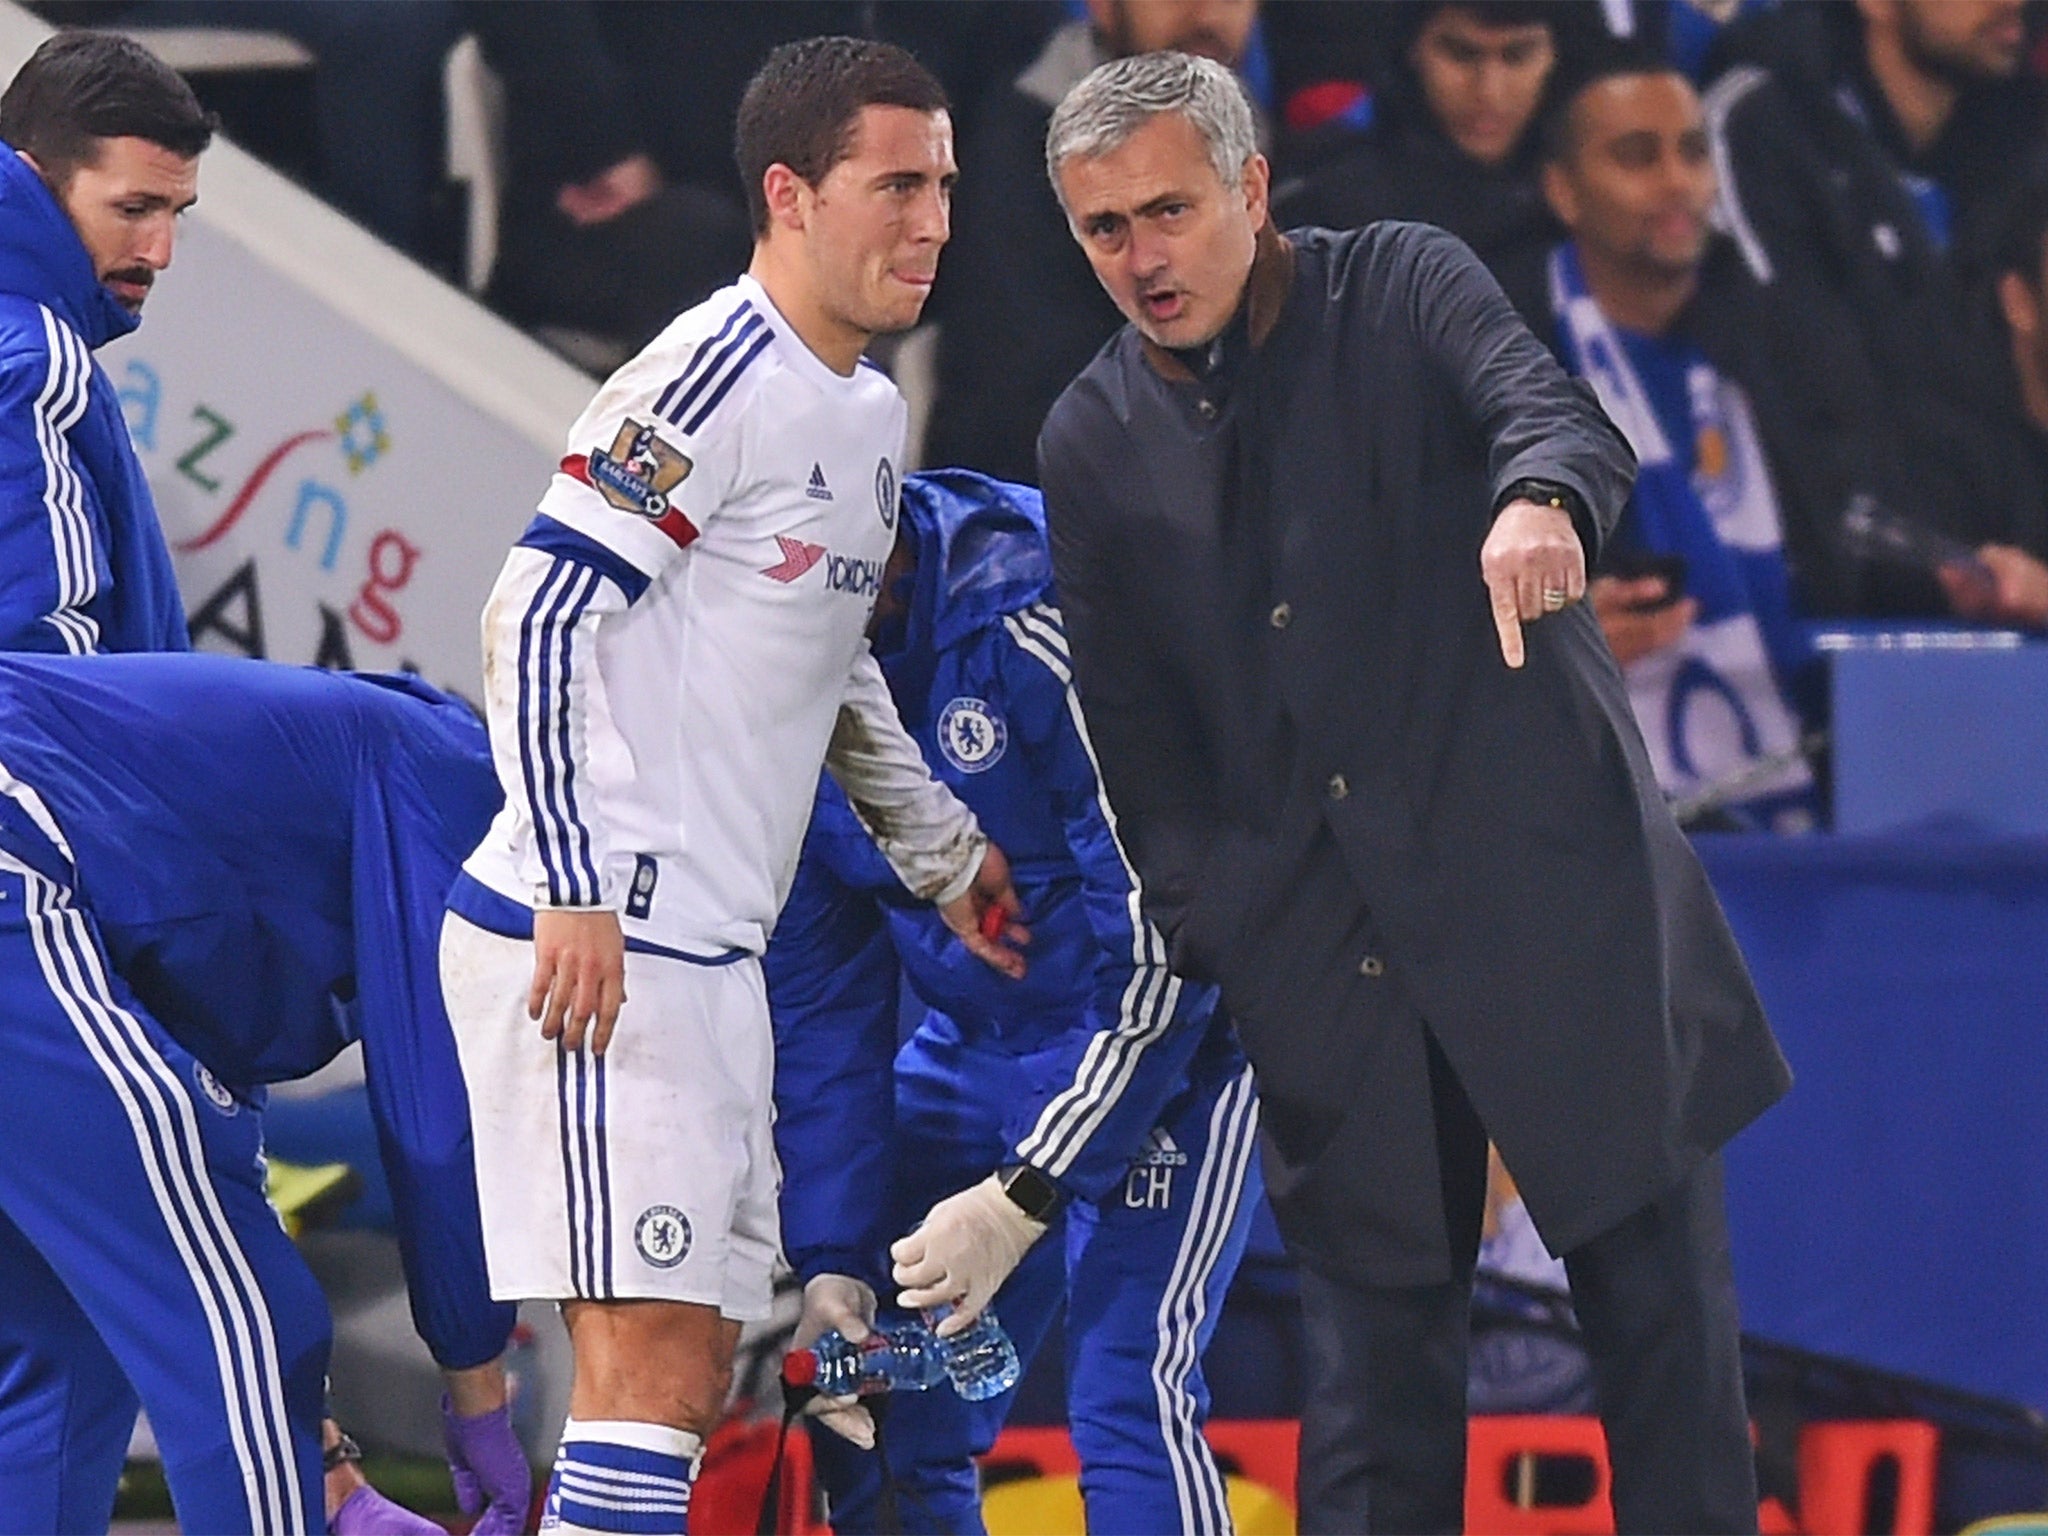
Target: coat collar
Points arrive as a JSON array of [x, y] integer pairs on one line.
[[1266, 287]]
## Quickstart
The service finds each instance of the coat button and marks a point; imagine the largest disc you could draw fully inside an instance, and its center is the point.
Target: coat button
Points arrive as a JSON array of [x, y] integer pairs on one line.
[[1372, 965], [1338, 788], [1207, 409], [1281, 616]]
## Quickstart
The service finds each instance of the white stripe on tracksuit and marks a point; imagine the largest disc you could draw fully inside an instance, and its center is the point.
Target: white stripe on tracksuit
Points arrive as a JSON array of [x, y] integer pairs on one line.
[[173, 1156], [58, 409], [1219, 1188], [1149, 1000]]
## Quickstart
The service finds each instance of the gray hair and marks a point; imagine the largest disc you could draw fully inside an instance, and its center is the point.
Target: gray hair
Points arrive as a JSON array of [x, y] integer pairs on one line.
[[1120, 97]]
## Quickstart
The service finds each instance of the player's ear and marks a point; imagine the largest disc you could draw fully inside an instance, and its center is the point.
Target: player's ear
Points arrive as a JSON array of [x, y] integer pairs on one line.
[[785, 193]]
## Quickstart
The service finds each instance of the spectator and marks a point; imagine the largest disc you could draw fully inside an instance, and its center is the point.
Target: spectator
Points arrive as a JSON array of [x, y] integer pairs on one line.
[[1452, 141], [1021, 313], [604, 232], [1866, 154], [624, 205], [1714, 671]]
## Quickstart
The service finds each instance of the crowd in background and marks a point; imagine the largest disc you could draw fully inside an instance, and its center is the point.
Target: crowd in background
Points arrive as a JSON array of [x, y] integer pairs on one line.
[[1797, 249]]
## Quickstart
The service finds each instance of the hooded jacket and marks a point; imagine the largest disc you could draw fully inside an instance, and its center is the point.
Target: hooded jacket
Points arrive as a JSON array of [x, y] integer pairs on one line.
[[255, 843], [83, 565], [979, 674]]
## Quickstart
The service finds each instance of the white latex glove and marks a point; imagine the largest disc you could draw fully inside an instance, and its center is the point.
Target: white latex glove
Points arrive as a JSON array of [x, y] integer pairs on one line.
[[846, 1305], [962, 1253]]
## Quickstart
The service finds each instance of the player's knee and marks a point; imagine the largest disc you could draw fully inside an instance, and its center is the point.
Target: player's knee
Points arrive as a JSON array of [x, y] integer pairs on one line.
[[651, 1361]]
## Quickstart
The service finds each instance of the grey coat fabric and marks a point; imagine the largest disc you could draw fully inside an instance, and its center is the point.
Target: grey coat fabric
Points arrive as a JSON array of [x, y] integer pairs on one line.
[[1343, 805]]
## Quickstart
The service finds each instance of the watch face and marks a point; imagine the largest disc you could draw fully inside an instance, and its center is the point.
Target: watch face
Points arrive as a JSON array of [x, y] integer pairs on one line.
[[1031, 1191]]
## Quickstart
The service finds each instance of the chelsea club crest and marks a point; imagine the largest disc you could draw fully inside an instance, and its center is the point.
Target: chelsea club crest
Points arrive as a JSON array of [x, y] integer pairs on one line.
[[971, 735], [214, 1089], [662, 1234], [885, 493]]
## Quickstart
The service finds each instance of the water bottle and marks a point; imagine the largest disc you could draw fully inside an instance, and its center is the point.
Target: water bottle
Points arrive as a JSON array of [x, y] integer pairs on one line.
[[900, 1358], [981, 1362]]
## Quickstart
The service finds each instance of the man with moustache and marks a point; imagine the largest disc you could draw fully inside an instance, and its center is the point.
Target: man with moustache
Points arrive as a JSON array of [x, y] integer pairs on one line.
[[673, 650], [1320, 520], [106, 143]]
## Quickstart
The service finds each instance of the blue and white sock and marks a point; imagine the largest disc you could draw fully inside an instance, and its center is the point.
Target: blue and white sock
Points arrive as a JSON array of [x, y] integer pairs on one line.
[[622, 1479]]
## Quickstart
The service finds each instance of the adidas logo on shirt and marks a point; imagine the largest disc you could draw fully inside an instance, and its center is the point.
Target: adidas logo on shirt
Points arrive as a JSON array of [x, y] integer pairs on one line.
[[818, 490], [1161, 1151]]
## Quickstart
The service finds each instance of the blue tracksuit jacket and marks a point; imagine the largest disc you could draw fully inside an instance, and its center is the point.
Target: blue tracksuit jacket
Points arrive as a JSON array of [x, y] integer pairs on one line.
[[257, 844], [214, 874], [979, 676], [1100, 1068], [83, 566]]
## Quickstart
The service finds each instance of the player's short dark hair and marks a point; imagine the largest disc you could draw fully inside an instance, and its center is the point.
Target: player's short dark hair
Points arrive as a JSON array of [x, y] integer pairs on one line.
[[1592, 62], [803, 106], [82, 87]]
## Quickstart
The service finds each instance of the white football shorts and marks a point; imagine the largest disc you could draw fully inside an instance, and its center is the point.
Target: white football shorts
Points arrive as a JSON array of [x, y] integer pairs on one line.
[[648, 1172]]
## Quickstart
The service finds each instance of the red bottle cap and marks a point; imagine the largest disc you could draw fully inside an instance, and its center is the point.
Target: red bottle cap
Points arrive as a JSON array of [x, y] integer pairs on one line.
[[799, 1368]]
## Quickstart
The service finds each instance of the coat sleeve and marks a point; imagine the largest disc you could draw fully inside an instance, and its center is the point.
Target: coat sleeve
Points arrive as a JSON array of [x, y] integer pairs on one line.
[[833, 983], [1130, 1051], [1768, 202], [1144, 745], [417, 815], [49, 506], [1539, 422]]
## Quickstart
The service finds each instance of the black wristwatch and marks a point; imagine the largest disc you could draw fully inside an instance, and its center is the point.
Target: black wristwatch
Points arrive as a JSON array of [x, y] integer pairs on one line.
[[1030, 1191], [344, 1449], [1545, 493]]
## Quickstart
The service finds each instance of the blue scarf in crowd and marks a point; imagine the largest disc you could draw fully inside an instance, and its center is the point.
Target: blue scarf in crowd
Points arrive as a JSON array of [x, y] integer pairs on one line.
[[1716, 706]]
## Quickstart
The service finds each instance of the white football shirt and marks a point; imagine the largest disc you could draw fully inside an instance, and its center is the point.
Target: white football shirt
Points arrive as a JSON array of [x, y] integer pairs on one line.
[[669, 647]]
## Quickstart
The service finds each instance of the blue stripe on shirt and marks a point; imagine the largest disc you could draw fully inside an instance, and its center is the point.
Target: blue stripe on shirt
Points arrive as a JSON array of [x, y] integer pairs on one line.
[[740, 312], [473, 901], [550, 537]]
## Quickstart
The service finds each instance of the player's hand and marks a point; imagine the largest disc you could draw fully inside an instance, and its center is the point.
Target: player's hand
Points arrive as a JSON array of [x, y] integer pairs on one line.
[[841, 1304], [1637, 615], [2003, 585], [579, 977], [962, 1252], [1534, 566], [987, 917], [492, 1479]]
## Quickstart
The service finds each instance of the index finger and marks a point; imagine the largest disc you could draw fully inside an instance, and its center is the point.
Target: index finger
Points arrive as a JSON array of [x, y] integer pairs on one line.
[[1507, 623], [543, 978]]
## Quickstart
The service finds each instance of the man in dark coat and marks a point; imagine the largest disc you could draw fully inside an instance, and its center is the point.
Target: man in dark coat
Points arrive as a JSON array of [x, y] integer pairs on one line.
[[1320, 519]]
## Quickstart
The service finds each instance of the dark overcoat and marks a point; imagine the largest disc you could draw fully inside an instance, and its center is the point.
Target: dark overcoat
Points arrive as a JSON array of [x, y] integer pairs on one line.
[[1343, 805]]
